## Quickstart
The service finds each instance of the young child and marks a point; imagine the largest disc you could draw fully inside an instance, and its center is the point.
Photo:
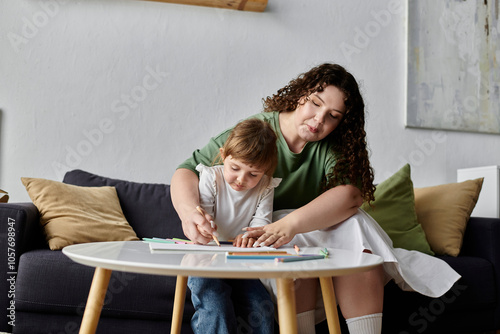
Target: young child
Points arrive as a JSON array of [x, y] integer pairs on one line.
[[234, 195]]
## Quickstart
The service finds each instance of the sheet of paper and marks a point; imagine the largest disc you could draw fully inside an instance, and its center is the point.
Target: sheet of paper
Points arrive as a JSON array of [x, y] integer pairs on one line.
[[157, 246]]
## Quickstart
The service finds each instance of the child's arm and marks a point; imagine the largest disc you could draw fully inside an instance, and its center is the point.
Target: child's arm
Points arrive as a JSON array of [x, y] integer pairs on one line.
[[264, 211], [263, 214], [208, 193], [207, 190]]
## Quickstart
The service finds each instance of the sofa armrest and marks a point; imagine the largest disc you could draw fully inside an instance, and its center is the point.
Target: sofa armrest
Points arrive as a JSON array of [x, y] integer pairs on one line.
[[20, 231], [481, 239], [24, 218]]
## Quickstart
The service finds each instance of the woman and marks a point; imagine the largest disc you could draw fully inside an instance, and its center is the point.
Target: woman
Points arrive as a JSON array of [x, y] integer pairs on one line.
[[326, 176]]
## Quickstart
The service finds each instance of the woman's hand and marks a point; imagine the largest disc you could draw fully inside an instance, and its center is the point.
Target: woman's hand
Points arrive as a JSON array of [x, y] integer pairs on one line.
[[274, 235]]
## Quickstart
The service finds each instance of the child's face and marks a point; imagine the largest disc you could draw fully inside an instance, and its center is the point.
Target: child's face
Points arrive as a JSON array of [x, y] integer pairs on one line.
[[241, 176]]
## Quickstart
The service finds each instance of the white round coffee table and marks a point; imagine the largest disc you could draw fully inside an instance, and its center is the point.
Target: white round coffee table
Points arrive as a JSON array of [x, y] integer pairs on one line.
[[135, 256]]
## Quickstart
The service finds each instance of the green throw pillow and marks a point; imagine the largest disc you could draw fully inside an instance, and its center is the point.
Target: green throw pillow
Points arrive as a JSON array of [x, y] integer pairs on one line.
[[394, 210]]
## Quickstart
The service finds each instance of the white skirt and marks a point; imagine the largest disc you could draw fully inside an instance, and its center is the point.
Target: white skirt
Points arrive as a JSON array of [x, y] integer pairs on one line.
[[411, 270]]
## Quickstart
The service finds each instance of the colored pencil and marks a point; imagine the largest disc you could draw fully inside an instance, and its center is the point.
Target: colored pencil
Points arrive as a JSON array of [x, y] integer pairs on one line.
[[159, 240], [200, 210], [299, 258], [261, 253]]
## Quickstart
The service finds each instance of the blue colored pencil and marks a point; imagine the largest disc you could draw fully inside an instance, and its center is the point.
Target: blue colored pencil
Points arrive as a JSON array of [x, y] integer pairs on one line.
[[299, 258], [165, 241]]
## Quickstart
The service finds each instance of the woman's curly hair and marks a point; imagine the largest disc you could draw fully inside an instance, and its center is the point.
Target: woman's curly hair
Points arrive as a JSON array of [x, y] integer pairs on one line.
[[349, 138]]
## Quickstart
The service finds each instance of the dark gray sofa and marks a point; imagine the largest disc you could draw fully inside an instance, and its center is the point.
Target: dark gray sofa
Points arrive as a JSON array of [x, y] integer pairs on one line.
[[45, 292]]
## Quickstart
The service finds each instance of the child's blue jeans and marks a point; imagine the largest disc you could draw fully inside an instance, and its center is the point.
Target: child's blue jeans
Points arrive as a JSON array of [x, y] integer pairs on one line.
[[229, 306]]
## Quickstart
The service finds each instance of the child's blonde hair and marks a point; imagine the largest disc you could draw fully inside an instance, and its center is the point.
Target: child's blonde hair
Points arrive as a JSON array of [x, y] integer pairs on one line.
[[252, 141]]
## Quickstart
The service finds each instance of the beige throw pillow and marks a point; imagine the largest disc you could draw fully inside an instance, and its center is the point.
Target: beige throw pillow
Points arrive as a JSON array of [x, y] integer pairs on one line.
[[4, 196], [71, 214], [443, 212]]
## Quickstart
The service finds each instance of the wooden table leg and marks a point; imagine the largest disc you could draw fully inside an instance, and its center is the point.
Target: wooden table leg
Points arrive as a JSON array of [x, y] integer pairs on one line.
[[286, 306], [330, 302], [180, 297], [95, 300]]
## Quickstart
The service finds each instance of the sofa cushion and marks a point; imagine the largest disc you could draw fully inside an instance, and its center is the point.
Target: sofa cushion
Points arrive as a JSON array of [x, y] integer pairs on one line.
[[147, 206], [443, 212], [471, 299], [52, 323], [50, 282], [477, 283], [394, 210], [71, 215]]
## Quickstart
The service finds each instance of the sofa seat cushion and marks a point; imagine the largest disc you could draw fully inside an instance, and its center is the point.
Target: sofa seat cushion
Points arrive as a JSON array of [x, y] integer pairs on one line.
[[147, 206], [467, 307], [477, 283], [49, 282], [47, 323], [476, 289]]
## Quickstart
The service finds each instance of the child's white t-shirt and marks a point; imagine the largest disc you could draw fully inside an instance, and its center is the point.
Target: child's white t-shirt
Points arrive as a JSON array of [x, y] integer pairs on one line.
[[232, 210]]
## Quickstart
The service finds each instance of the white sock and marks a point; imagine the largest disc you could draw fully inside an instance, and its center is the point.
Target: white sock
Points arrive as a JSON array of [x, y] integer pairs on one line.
[[367, 324], [306, 323]]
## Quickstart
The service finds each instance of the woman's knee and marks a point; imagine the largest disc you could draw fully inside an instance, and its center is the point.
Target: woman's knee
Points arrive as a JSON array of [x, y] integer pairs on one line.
[[361, 293], [305, 294]]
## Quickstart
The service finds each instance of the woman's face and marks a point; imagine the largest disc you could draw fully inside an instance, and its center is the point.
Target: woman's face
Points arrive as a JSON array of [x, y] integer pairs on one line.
[[318, 114]]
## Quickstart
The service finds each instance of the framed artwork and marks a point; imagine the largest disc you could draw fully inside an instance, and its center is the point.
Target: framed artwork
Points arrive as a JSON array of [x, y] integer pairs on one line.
[[453, 77], [248, 5]]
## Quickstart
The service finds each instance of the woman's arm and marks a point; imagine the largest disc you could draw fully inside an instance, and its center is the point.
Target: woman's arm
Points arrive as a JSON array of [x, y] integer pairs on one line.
[[328, 209], [185, 198]]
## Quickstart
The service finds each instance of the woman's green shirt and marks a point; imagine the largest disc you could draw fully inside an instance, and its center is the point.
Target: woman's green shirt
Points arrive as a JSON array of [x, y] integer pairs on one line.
[[303, 174]]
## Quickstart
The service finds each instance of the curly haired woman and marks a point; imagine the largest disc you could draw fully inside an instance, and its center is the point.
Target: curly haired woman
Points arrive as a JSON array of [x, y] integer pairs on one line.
[[326, 176]]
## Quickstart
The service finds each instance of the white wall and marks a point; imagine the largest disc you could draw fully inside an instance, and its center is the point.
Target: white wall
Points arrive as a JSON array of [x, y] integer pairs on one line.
[[127, 89]]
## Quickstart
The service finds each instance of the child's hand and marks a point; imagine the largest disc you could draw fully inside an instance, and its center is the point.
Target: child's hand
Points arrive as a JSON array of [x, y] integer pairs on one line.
[[192, 227], [253, 233], [240, 241], [274, 235], [206, 234], [205, 226]]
